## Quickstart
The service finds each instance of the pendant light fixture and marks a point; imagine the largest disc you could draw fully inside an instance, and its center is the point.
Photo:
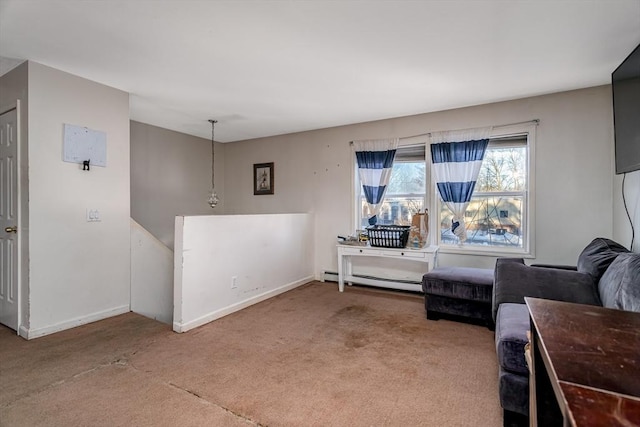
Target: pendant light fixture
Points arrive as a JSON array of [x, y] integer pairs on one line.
[[213, 197]]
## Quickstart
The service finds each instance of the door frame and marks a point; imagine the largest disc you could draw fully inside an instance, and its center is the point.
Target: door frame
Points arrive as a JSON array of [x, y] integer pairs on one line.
[[3, 110]]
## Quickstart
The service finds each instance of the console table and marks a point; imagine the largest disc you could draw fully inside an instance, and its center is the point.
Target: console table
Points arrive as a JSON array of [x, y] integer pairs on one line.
[[585, 365], [427, 255]]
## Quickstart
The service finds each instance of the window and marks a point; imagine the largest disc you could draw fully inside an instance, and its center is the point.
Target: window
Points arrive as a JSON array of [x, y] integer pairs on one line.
[[498, 217], [406, 190]]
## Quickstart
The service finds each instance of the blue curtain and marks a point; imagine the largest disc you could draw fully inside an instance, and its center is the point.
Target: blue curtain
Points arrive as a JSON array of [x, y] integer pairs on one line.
[[457, 159], [375, 161]]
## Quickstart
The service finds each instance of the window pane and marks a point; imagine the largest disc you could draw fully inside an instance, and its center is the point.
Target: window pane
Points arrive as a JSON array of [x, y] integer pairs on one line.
[[405, 195], [494, 221], [407, 178], [406, 191], [503, 169], [396, 210]]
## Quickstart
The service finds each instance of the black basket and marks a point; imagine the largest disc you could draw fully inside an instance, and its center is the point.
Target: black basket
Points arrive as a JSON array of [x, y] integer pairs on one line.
[[388, 236]]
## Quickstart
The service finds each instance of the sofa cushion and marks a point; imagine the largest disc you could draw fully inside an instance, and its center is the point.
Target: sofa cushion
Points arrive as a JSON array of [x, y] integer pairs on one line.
[[512, 324], [514, 392], [620, 285], [598, 255], [474, 284]]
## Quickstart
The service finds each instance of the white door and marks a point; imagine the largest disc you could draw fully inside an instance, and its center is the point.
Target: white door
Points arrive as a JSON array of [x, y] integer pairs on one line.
[[9, 219]]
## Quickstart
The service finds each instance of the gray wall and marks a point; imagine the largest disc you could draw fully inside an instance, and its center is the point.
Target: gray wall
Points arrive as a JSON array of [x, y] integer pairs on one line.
[[80, 271], [578, 195], [621, 226], [77, 271], [171, 175], [574, 168]]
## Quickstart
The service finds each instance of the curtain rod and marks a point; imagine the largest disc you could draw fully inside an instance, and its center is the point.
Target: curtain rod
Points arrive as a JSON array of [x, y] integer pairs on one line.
[[535, 121]]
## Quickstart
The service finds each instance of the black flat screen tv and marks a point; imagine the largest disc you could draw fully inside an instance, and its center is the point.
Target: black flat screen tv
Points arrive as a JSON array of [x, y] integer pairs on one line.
[[625, 83]]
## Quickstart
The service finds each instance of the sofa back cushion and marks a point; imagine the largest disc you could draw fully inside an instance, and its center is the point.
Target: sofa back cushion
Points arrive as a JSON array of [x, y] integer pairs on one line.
[[619, 286], [598, 255]]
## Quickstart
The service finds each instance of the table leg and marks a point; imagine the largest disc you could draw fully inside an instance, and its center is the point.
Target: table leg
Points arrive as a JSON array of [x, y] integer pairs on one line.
[[544, 409], [340, 273]]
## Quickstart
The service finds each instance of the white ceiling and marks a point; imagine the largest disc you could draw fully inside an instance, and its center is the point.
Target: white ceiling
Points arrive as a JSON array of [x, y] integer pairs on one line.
[[265, 68]]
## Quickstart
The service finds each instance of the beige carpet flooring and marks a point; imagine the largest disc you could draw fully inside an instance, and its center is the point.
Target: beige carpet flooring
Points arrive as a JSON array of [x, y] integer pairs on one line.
[[309, 357]]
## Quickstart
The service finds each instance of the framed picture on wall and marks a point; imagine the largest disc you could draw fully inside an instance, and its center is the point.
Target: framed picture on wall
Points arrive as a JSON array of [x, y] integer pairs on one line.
[[263, 178]]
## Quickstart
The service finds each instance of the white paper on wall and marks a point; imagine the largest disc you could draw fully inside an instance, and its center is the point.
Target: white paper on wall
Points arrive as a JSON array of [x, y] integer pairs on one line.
[[81, 143]]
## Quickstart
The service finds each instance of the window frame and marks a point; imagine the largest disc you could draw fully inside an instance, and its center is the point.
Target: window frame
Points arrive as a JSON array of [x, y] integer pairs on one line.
[[528, 214], [356, 190]]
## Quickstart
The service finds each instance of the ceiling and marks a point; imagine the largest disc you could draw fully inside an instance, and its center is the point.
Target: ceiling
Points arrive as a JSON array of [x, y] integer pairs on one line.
[[265, 68]]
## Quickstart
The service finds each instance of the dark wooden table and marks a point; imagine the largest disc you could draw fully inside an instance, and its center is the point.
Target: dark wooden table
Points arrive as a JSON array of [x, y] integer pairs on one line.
[[585, 365]]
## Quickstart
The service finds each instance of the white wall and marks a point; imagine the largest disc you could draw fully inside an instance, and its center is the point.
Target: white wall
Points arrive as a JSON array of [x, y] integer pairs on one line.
[[313, 171], [151, 276], [170, 176], [79, 270], [267, 254]]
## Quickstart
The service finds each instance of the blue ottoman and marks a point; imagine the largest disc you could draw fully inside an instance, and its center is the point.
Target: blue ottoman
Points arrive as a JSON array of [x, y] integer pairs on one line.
[[459, 293]]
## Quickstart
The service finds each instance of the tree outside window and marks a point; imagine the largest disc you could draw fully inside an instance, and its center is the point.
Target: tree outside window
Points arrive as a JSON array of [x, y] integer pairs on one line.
[[496, 214]]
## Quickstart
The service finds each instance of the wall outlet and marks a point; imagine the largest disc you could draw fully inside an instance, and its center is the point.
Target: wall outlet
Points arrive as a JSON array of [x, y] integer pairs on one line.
[[234, 283], [93, 215]]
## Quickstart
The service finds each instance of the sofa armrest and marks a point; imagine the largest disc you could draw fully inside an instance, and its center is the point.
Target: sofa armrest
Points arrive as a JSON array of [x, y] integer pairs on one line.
[[513, 280]]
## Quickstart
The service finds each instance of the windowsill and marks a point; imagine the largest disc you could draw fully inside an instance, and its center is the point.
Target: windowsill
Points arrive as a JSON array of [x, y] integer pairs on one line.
[[480, 251]]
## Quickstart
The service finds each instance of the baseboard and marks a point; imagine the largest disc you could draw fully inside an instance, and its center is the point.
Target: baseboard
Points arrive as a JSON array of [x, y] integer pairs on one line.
[[328, 276], [29, 333], [184, 327], [23, 332]]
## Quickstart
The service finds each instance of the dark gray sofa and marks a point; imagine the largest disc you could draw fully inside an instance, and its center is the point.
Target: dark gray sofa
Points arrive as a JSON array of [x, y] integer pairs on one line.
[[607, 274]]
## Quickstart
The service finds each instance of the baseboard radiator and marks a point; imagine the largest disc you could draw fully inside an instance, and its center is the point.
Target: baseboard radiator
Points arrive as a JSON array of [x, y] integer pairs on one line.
[[332, 276]]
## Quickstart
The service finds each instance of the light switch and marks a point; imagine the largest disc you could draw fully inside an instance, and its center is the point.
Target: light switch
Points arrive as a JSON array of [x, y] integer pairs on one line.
[[93, 215]]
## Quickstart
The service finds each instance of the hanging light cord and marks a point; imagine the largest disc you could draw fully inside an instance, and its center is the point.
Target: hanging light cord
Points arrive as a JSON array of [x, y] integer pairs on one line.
[[213, 158], [213, 197]]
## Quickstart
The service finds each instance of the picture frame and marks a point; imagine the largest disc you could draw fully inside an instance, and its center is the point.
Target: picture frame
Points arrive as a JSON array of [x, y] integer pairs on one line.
[[262, 178]]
